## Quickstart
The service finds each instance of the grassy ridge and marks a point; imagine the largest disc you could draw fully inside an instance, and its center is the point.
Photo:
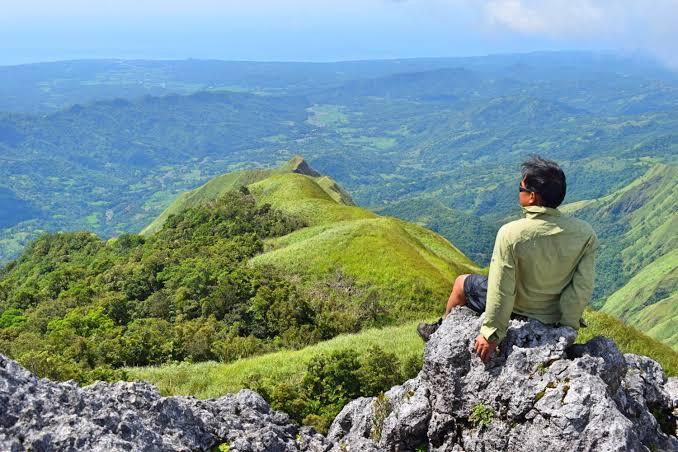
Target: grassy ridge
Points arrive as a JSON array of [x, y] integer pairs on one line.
[[392, 255], [381, 251], [210, 379], [637, 262], [649, 300]]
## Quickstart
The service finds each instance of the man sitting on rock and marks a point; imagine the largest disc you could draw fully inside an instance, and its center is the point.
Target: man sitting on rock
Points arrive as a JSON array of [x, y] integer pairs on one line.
[[542, 265]]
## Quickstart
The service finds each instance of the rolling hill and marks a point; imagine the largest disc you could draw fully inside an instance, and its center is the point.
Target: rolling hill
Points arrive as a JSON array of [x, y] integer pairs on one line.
[[380, 251], [637, 261]]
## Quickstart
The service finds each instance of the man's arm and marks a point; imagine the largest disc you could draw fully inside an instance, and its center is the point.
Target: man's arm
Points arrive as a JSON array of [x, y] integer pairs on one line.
[[577, 294], [501, 289]]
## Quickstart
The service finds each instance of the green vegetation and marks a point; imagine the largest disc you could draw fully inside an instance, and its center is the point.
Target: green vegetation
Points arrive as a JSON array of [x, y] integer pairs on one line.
[[77, 307], [415, 265], [628, 339], [481, 415], [637, 261], [381, 410], [311, 384], [316, 396], [212, 379], [215, 283], [476, 235], [649, 301]]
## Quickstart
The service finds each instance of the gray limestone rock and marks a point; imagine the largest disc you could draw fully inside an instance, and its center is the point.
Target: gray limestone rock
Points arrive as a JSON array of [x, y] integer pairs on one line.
[[41, 415], [539, 392]]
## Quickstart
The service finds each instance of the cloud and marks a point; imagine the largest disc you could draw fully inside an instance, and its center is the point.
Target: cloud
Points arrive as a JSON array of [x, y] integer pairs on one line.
[[633, 25], [547, 16]]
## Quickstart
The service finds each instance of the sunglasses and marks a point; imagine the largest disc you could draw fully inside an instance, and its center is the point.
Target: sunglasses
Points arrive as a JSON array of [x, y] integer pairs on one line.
[[525, 190]]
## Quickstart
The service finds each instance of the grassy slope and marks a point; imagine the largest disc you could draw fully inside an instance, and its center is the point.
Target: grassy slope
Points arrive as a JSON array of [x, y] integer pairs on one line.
[[645, 213], [655, 285], [210, 379], [384, 252]]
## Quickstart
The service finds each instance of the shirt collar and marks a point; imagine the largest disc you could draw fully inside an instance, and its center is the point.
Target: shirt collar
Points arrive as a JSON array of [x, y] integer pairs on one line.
[[535, 211]]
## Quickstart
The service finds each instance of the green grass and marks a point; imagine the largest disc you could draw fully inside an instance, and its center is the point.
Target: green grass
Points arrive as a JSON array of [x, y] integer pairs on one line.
[[304, 197], [637, 262], [649, 300], [628, 339], [211, 190], [383, 252], [211, 379]]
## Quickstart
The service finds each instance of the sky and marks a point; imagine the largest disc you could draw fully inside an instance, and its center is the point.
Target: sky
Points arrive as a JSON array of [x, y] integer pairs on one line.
[[330, 30]]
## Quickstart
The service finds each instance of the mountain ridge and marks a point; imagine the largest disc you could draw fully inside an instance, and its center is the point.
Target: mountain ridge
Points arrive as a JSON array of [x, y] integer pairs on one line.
[[637, 228]]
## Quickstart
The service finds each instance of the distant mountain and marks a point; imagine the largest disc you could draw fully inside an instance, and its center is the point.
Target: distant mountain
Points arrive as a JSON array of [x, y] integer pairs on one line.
[[49, 87]]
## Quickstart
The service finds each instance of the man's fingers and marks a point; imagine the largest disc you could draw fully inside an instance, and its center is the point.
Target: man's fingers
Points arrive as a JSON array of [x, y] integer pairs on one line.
[[480, 351]]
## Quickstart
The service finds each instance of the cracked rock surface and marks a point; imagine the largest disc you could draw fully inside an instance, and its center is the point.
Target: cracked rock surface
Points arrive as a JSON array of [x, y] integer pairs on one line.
[[540, 392], [41, 415]]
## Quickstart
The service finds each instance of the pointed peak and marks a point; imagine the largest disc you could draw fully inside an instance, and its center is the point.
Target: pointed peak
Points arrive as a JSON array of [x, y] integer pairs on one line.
[[298, 165]]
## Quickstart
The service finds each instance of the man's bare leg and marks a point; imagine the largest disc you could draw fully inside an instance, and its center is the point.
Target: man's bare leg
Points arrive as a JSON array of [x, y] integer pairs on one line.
[[457, 297]]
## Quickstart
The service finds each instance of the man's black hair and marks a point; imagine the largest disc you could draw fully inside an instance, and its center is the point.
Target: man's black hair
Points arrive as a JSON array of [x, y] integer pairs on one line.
[[546, 178]]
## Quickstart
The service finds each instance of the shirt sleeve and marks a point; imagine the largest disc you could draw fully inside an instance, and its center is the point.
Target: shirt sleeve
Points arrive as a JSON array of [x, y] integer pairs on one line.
[[501, 289], [577, 293]]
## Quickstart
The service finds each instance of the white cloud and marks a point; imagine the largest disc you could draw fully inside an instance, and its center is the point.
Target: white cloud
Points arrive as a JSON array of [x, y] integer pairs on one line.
[[648, 26], [548, 16]]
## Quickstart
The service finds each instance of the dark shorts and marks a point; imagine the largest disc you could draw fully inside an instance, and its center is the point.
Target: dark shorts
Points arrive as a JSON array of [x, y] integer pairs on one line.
[[475, 291]]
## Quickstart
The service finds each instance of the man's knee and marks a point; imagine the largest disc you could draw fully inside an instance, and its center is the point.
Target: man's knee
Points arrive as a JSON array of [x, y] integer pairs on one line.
[[457, 298], [459, 284]]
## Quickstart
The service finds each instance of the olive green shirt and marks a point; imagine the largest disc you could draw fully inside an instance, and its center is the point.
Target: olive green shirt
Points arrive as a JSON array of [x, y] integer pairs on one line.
[[542, 268]]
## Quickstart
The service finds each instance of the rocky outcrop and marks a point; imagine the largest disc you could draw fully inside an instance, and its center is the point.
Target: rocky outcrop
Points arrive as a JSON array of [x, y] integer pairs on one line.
[[540, 392], [41, 415]]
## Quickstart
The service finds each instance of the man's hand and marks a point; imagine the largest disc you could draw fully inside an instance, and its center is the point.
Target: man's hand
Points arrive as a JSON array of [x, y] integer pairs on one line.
[[484, 348]]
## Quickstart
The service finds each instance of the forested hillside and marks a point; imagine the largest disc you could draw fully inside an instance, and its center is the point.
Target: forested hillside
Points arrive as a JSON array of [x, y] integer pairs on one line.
[[637, 261]]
